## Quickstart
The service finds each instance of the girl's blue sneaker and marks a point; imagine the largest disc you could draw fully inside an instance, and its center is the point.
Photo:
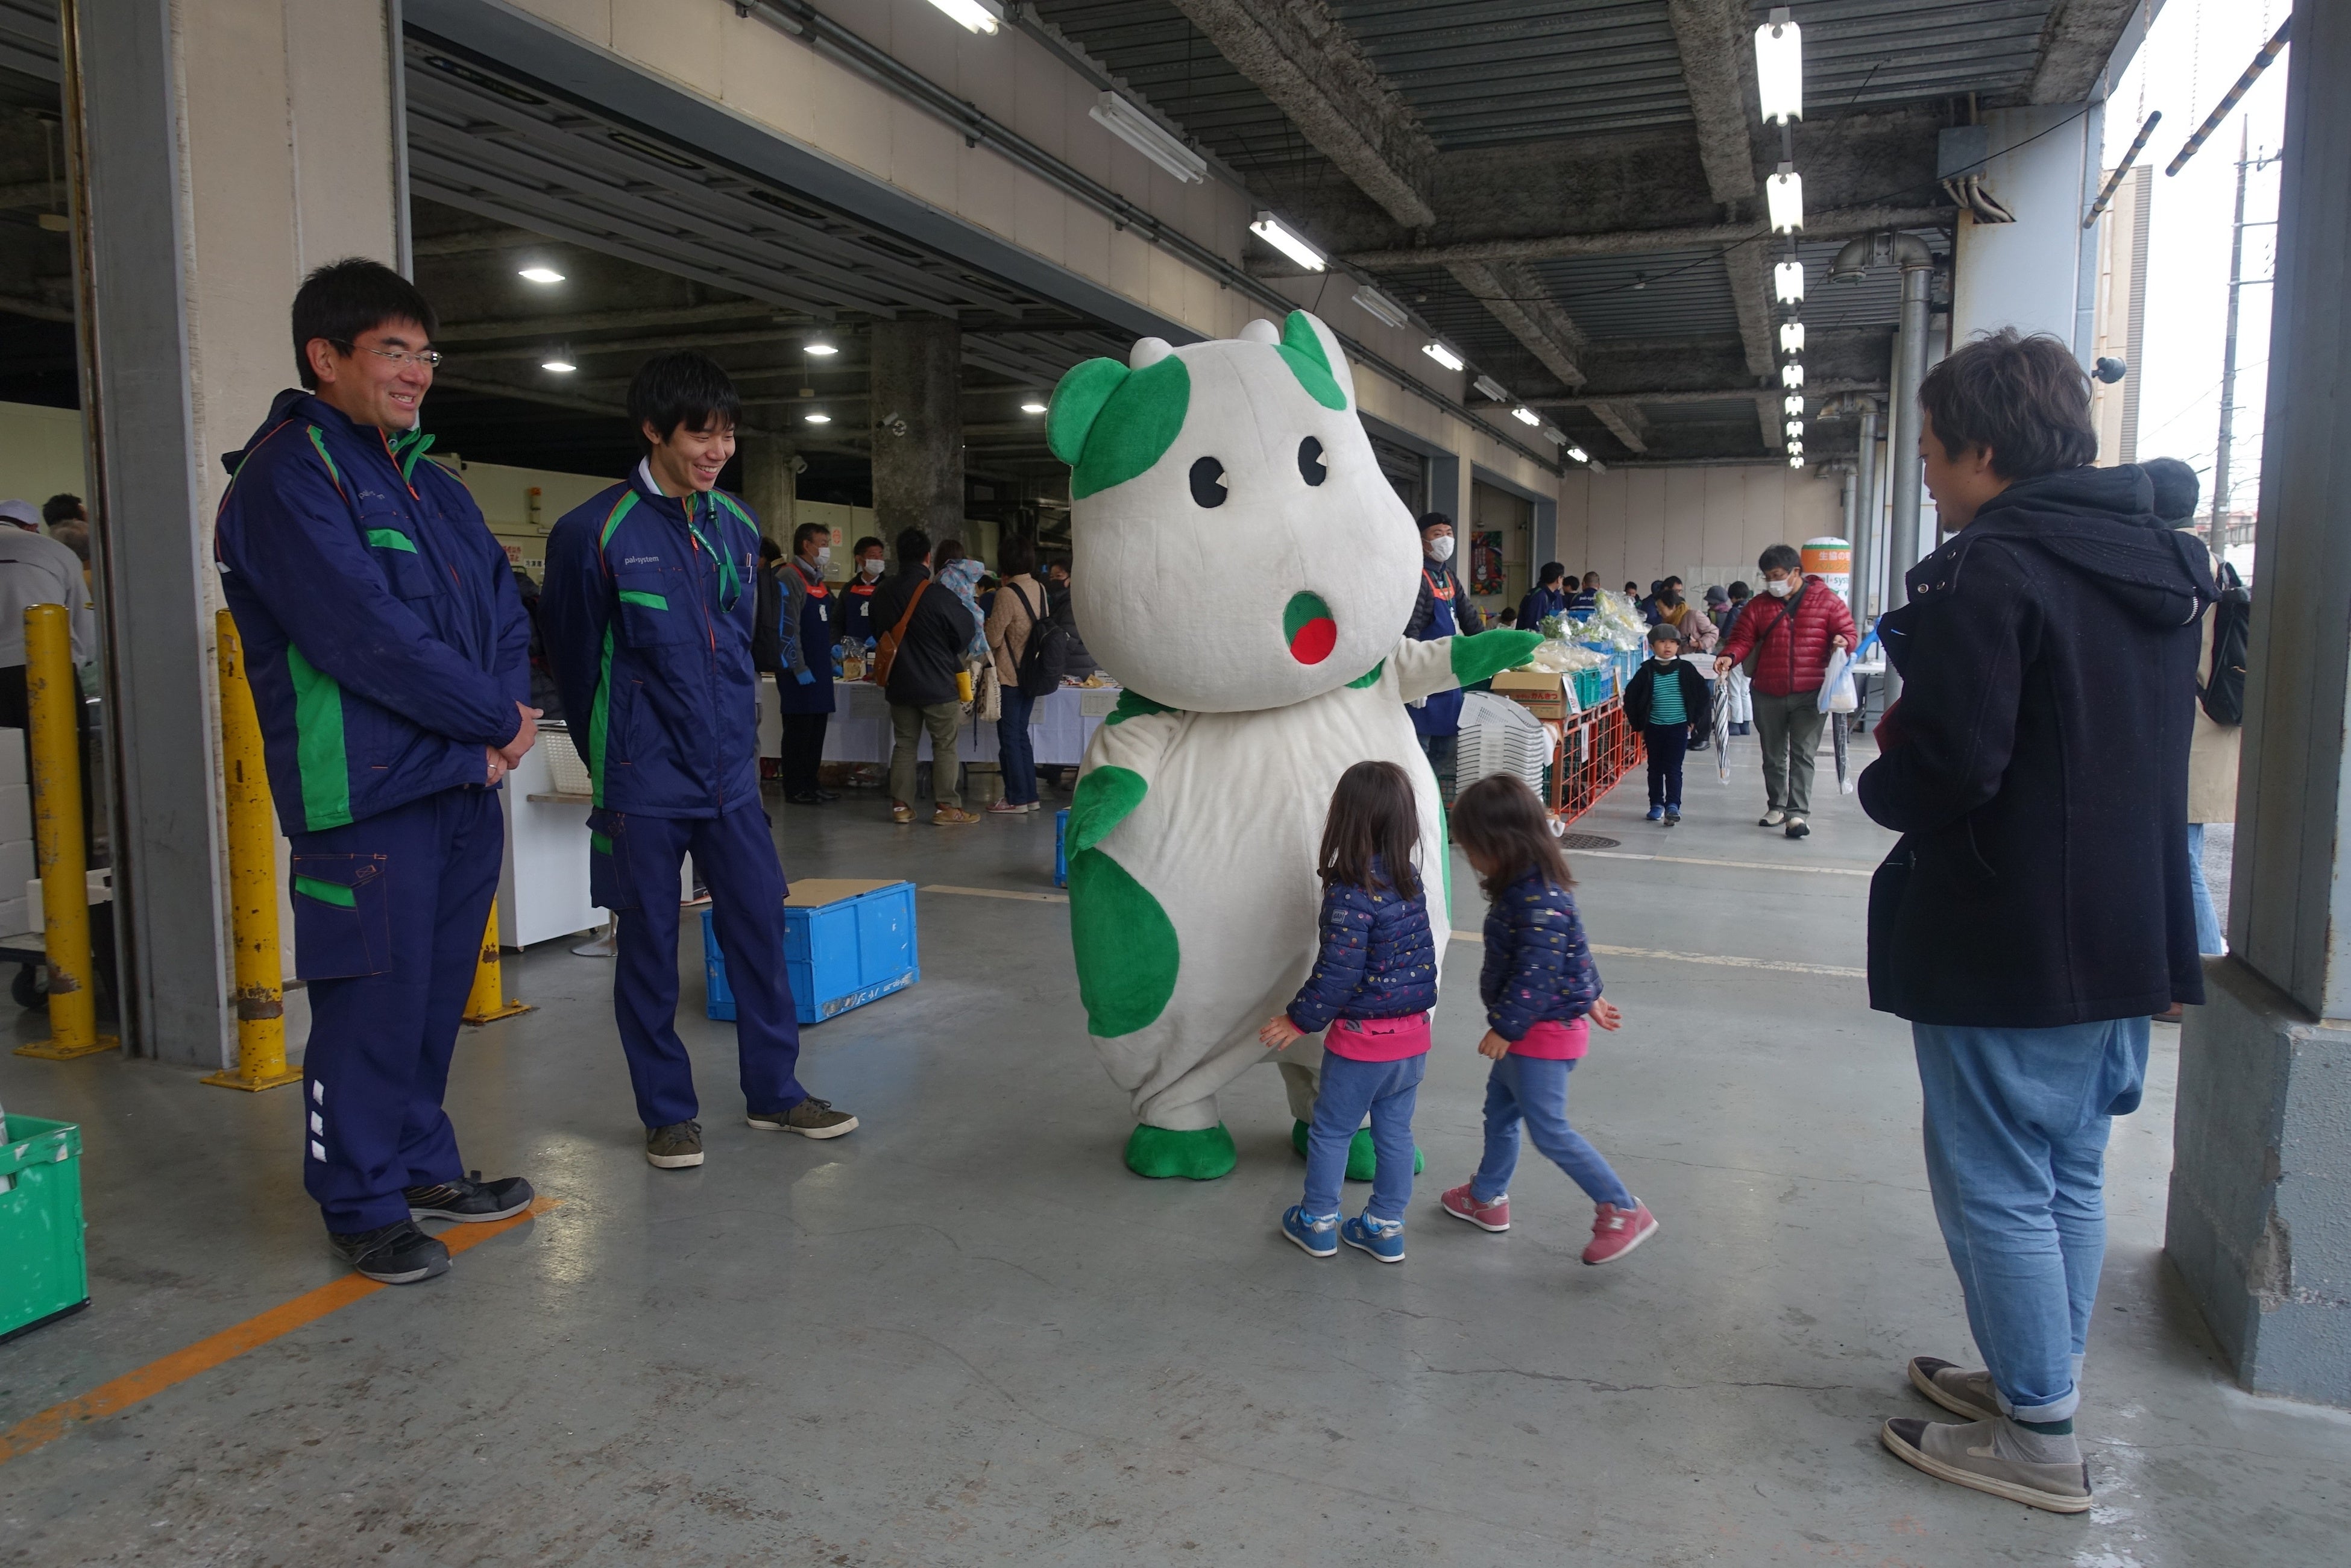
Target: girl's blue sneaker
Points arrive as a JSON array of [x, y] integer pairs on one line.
[[1316, 1235], [1656, 813], [1382, 1238]]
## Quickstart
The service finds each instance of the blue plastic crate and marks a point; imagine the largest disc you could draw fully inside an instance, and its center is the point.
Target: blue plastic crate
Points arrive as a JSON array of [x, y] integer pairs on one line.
[[846, 943], [1062, 847]]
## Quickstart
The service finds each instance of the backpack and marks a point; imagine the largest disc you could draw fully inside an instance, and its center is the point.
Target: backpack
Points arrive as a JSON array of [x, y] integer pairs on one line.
[[2232, 624], [1046, 655]]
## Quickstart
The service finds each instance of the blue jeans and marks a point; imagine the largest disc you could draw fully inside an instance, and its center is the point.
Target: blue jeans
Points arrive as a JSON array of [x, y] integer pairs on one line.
[[1014, 753], [1349, 1089], [2016, 1124], [2209, 940], [1533, 1090]]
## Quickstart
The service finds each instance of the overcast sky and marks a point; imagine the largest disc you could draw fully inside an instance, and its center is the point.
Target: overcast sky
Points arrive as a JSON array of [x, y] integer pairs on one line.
[[2193, 55]]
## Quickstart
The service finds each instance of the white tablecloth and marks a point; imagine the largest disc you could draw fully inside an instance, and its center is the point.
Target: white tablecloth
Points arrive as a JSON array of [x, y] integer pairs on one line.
[[1060, 725]]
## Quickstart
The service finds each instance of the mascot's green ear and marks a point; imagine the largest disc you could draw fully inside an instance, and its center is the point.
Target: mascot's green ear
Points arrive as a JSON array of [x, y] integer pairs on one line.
[[1076, 403], [1301, 350]]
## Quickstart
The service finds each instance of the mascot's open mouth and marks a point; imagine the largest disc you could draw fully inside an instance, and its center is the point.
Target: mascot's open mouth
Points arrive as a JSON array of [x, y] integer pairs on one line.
[[1307, 626]]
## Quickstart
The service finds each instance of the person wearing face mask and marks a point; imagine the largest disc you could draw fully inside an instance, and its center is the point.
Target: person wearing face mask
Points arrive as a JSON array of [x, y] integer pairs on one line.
[[1443, 610], [1696, 632], [804, 681], [857, 598], [1790, 636]]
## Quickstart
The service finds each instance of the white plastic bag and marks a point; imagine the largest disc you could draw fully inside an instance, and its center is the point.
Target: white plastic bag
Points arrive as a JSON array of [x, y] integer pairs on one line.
[[1837, 693]]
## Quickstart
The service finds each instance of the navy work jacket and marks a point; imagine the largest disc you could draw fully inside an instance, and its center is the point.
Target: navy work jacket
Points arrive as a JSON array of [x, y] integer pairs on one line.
[[383, 636], [647, 616]]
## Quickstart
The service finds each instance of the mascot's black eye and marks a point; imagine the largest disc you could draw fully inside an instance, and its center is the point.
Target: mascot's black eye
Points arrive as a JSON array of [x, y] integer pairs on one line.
[[1208, 482], [1310, 467]]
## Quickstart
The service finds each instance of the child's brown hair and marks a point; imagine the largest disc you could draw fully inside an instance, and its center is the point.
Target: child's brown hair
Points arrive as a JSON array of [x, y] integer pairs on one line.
[[1499, 822], [1373, 812]]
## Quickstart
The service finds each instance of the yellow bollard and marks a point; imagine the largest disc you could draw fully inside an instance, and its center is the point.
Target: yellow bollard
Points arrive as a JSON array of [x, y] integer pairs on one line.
[[252, 880], [488, 1002], [53, 706]]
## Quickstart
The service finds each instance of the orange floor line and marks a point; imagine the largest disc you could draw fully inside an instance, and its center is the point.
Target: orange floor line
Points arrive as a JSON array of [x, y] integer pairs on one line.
[[48, 1425]]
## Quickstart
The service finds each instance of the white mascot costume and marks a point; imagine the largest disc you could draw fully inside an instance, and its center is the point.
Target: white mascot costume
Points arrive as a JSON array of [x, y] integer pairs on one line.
[[1245, 570]]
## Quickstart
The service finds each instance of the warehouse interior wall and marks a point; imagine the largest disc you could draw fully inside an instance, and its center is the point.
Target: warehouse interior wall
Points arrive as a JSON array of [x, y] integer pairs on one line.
[[1638, 524], [40, 453]]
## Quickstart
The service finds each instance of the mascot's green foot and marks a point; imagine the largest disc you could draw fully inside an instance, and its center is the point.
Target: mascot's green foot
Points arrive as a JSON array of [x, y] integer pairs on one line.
[[1202, 1155], [1363, 1160]]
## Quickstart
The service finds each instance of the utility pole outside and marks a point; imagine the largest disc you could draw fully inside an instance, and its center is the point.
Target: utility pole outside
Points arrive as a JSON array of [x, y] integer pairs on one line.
[[2217, 530]]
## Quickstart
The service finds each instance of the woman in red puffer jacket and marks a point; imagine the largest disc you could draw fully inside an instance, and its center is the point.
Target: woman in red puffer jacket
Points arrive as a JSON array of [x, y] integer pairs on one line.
[[1795, 623]]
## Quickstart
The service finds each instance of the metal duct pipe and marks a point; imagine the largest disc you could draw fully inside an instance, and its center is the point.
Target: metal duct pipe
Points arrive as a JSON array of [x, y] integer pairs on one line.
[[1867, 552], [1904, 424]]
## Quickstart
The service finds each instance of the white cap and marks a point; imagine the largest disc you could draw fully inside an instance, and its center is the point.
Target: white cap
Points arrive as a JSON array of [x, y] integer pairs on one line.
[[24, 514]]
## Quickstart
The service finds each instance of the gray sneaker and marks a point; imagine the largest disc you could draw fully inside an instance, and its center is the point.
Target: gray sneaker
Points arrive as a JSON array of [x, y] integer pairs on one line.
[[1964, 1394], [1970, 1456], [811, 1118], [1772, 819], [673, 1148]]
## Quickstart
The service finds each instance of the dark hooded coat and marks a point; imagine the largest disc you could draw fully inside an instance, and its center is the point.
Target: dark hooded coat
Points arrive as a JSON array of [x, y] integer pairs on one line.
[[2036, 765]]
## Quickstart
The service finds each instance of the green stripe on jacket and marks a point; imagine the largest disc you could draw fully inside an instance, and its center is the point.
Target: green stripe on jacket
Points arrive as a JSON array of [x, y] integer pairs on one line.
[[319, 755]]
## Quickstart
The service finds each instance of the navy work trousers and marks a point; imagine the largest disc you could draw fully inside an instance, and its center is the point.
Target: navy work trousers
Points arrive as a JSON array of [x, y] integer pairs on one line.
[[387, 920], [636, 879]]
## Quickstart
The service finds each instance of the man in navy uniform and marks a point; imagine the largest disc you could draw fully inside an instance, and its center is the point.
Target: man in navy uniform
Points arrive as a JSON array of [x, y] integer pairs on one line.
[[648, 616], [806, 631], [389, 659]]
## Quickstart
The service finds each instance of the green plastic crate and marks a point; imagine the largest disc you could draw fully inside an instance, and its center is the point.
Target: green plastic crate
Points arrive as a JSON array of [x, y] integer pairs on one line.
[[43, 1273], [1591, 687]]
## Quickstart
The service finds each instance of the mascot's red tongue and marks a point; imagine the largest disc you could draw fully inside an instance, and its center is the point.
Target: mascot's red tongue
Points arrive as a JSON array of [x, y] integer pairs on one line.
[[1306, 623]]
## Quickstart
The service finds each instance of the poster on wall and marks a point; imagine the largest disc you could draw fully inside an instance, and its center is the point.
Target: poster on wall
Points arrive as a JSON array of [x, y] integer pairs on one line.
[[1485, 563]]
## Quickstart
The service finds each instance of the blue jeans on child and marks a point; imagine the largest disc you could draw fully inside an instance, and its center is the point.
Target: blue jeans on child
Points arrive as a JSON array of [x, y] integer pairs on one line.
[[1015, 752], [1533, 1090], [2016, 1124], [1348, 1090]]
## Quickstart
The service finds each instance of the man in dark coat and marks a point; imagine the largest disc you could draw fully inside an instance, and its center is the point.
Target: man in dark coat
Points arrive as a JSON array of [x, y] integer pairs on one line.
[[2037, 907], [922, 684]]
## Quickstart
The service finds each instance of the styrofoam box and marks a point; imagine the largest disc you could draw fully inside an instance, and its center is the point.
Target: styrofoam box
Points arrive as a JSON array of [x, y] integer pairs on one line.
[[846, 943]]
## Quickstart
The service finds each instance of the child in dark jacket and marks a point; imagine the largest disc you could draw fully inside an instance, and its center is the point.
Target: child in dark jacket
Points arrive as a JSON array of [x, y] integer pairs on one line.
[[1542, 994], [1664, 701], [1372, 984]]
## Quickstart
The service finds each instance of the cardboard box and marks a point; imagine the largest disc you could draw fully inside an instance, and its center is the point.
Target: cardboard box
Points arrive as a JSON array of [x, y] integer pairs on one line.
[[1539, 691]]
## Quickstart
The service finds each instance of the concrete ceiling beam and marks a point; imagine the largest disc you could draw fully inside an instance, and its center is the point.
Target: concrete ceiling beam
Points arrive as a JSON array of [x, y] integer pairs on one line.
[[33, 193], [1624, 423], [1711, 36], [1623, 399], [491, 330], [39, 309], [1297, 55], [474, 241], [1836, 224], [2076, 41], [1521, 303]]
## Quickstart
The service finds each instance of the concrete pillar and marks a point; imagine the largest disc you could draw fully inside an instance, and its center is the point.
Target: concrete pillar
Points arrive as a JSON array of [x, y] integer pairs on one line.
[[2260, 1219], [768, 482], [917, 427], [2040, 273], [219, 152], [1448, 492]]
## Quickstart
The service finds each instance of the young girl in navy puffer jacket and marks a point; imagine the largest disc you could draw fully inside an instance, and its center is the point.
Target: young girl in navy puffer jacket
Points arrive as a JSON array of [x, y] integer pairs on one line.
[[1373, 983], [1542, 994]]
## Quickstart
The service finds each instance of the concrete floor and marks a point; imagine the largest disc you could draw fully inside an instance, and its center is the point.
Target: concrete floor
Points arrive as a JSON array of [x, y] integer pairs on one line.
[[967, 1335]]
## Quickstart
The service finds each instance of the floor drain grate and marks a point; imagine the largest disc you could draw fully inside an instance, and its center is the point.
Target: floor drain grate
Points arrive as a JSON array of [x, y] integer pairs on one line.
[[1587, 841]]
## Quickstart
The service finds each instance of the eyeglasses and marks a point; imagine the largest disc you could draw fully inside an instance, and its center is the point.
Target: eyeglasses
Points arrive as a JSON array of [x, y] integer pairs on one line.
[[428, 358]]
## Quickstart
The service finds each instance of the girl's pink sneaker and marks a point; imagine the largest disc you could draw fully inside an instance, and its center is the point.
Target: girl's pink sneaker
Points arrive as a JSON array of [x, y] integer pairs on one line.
[[1616, 1231], [1462, 1203]]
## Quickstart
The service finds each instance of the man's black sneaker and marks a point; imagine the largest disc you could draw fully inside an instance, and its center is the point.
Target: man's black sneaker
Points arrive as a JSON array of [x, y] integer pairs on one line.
[[807, 797], [811, 1118], [678, 1146], [469, 1199], [1673, 818], [394, 1254], [1797, 827]]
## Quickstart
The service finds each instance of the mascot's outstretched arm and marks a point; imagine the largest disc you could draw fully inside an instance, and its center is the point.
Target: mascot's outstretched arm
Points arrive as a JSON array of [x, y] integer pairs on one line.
[[1448, 661]]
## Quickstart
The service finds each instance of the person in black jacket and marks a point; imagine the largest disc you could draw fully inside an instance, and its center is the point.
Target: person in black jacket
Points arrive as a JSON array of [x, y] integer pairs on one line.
[[2037, 908], [922, 684], [1666, 700]]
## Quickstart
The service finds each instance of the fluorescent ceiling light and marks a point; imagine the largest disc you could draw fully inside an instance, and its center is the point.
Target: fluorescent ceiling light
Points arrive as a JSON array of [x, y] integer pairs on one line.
[[1147, 136], [1033, 406], [1788, 282], [1579, 453], [1792, 405], [1272, 230], [1791, 337], [1795, 430], [1526, 416], [1796, 460], [1490, 389], [1379, 305], [818, 418], [1443, 356], [1778, 68], [818, 346], [561, 365], [541, 275], [986, 15], [1784, 193], [1792, 376]]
